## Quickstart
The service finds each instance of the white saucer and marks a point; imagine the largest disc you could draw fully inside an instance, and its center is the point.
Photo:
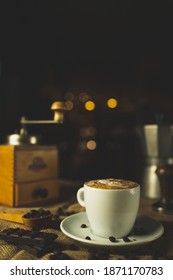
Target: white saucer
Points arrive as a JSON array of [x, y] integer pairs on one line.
[[145, 230]]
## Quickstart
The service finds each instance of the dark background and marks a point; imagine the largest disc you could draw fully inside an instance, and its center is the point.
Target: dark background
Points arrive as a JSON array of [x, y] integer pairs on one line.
[[121, 49]]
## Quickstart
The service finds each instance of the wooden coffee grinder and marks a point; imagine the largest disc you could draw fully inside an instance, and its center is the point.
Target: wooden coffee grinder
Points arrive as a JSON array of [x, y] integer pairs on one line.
[[29, 170]]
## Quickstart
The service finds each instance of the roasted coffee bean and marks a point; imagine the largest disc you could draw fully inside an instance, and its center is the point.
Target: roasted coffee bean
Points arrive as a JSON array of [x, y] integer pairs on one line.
[[112, 239], [27, 216], [83, 225], [126, 239], [33, 211], [37, 213], [43, 212], [88, 238]]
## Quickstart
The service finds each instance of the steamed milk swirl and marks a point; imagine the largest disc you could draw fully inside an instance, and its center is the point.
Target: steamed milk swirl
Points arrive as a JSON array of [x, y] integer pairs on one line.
[[111, 184]]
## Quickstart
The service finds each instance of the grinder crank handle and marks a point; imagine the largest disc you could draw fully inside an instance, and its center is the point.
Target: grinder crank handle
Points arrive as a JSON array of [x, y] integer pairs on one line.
[[58, 108]]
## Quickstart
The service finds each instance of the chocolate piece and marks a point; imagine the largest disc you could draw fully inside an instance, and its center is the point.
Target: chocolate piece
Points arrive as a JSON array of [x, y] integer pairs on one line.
[[7, 231], [112, 239], [28, 237], [31, 234], [39, 251], [126, 239]]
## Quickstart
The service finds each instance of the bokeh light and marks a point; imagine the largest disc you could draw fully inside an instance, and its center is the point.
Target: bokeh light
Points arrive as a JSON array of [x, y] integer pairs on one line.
[[112, 103], [91, 145], [84, 97], [69, 96], [89, 105], [69, 105]]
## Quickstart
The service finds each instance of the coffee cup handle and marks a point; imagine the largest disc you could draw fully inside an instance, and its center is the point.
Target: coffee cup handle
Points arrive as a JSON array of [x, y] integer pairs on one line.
[[80, 197]]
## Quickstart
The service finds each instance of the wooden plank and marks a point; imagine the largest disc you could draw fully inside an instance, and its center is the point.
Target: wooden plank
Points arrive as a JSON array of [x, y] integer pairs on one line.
[[6, 174]]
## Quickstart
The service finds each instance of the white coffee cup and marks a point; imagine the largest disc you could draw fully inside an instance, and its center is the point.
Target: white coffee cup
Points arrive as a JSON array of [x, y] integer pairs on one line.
[[111, 206]]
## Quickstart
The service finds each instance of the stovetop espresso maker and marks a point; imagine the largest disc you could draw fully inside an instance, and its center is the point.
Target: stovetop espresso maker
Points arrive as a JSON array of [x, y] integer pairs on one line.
[[156, 144]]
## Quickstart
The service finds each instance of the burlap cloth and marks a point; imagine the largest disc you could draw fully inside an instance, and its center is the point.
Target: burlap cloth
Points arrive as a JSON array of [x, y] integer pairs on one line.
[[70, 249]]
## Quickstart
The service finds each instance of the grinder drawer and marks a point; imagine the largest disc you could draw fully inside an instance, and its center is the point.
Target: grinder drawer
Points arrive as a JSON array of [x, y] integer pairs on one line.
[[35, 164], [36, 192]]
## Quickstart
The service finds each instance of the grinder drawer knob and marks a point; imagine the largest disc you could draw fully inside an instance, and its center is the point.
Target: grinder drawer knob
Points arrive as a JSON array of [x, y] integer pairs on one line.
[[42, 193]]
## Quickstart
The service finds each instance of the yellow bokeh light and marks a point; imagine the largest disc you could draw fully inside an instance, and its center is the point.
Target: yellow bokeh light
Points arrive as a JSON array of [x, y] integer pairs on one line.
[[112, 103], [89, 105], [91, 145]]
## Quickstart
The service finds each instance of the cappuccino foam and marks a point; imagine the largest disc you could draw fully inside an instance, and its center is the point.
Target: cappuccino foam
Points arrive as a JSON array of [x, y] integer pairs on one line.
[[111, 183]]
